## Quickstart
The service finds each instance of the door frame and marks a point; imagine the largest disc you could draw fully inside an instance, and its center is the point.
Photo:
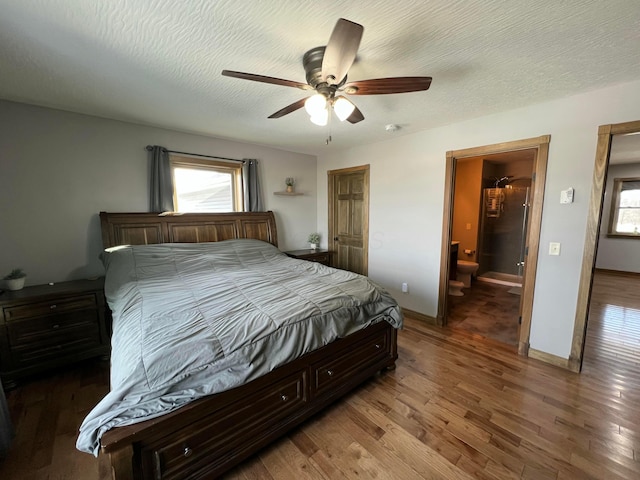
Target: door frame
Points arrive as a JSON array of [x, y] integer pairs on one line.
[[594, 219], [331, 192], [541, 145]]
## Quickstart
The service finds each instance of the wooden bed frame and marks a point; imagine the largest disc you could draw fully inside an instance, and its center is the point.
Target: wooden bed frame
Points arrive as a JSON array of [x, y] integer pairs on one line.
[[211, 435]]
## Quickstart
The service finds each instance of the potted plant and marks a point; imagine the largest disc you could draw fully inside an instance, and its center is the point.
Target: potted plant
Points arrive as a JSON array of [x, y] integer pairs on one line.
[[289, 183], [314, 240], [15, 280]]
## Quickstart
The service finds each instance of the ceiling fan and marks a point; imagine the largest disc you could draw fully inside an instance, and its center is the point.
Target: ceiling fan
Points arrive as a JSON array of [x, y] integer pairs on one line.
[[326, 73]]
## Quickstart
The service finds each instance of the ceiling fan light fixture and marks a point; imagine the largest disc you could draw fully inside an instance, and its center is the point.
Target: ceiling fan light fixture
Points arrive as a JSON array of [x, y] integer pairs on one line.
[[316, 104], [343, 108], [320, 118]]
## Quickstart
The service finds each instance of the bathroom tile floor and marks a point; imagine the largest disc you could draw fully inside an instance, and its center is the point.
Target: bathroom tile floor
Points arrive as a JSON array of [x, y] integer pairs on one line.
[[486, 309]]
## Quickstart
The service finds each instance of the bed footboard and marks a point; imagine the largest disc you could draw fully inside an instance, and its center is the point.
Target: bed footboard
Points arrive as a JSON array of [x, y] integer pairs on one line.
[[208, 437]]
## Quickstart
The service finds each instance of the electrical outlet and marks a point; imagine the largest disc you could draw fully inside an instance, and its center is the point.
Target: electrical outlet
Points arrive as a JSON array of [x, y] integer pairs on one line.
[[405, 288], [554, 248]]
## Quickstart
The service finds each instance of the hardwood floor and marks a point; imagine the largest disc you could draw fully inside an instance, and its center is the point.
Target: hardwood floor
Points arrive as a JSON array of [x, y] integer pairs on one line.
[[457, 407], [486, 309]]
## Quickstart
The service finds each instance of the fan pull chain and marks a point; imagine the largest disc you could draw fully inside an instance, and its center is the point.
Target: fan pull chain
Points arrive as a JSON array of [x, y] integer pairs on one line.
[[328, 139]]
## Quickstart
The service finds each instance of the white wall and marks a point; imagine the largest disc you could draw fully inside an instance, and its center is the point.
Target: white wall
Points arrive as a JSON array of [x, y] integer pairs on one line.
[[59, 169], [407, 195], [622, 254]]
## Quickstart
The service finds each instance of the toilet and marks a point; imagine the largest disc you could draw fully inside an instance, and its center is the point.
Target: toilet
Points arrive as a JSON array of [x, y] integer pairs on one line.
[[455, 288], [464, 271]]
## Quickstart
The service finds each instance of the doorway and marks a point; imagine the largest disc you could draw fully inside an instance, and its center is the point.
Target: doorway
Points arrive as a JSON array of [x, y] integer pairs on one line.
[[537, 149], [348, 194], [606, 134]]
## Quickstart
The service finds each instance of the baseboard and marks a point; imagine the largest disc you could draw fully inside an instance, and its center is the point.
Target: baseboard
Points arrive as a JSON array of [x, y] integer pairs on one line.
[[420, 316], [617, 272], [550, 358]]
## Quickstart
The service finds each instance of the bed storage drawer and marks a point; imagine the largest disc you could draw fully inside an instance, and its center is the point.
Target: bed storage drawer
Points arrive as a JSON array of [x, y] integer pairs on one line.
[[215, 437], [208, 437], [326, 375]]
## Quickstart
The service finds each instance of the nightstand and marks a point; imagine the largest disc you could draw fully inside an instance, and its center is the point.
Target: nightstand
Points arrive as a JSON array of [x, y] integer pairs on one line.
[[317, 255], [48, 326]]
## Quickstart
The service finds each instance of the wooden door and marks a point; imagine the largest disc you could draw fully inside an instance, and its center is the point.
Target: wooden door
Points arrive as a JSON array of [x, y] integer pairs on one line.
[[349, 218]]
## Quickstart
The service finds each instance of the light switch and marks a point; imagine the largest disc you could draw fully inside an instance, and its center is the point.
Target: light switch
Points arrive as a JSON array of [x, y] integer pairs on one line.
[[554, 248], [468, 226]]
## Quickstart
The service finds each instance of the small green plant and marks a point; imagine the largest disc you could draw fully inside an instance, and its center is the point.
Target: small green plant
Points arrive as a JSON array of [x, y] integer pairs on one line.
[[289, 181], [15, 273], [314, 238]]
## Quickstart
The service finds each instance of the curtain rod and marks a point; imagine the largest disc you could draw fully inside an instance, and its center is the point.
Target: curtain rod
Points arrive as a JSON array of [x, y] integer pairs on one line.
[[150, 147]]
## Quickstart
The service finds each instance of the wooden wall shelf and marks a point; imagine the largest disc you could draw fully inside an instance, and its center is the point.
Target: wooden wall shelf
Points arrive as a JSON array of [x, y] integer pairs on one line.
[[289, 194]]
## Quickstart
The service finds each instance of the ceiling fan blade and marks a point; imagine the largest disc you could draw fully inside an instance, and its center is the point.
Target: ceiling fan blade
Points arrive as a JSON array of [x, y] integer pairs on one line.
[[341, 51], [382, 86], [289, 108], [265, 79], [356, 116]]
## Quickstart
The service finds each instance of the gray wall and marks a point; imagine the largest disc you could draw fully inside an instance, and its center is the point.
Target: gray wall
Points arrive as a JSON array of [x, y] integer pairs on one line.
[[59, 169], [407, 201], [622, 254]]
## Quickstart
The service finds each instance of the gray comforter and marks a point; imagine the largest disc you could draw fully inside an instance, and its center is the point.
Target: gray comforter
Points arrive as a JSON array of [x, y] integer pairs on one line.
[[191, 320]]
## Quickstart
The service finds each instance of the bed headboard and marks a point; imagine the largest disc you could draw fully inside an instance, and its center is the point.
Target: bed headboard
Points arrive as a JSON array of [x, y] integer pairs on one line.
[[149, 228]]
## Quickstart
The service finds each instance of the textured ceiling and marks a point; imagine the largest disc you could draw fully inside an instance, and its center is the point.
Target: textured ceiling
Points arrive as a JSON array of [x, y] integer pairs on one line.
[[158, 62]]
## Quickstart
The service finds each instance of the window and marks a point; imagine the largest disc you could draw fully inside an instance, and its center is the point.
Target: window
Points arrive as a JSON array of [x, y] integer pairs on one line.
[[625, 208], [206, 185]]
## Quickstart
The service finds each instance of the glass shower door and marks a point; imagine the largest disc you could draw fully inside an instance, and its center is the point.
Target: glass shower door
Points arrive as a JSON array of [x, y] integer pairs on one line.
[[503, 234]]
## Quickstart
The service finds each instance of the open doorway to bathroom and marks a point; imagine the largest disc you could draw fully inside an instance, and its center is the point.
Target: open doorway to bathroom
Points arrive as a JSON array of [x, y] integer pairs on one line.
[[490, 217], [493, 210]]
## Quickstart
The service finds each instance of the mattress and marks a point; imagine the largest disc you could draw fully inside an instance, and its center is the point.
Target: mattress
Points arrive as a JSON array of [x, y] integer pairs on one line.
[[191, 320]]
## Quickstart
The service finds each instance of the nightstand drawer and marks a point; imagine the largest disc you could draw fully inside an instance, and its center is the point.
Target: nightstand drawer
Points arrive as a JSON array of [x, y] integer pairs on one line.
[[320, 258], [47, 330], [61, 305], [59, 347]]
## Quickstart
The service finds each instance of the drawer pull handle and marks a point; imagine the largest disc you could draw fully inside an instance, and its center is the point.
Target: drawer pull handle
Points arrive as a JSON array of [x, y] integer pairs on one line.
[[284, 397], [378, 346], [330, 373], [55, 326], [53, 306], [187, 451]]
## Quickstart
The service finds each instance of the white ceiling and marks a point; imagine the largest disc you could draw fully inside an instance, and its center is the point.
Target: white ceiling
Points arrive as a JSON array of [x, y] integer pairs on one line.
[[158, 62]]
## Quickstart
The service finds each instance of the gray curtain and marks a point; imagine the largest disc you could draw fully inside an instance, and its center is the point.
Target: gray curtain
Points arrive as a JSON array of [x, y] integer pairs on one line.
[[6, 430], [161, 188], [251, 179]]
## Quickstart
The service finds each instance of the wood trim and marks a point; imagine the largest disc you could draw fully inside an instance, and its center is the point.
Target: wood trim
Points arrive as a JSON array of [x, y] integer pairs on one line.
[[228, 166], [447, 225], [332, 244], [619, 273], [594, 218], [420, 316], [541, 144], [550, 358], [533, 242]]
